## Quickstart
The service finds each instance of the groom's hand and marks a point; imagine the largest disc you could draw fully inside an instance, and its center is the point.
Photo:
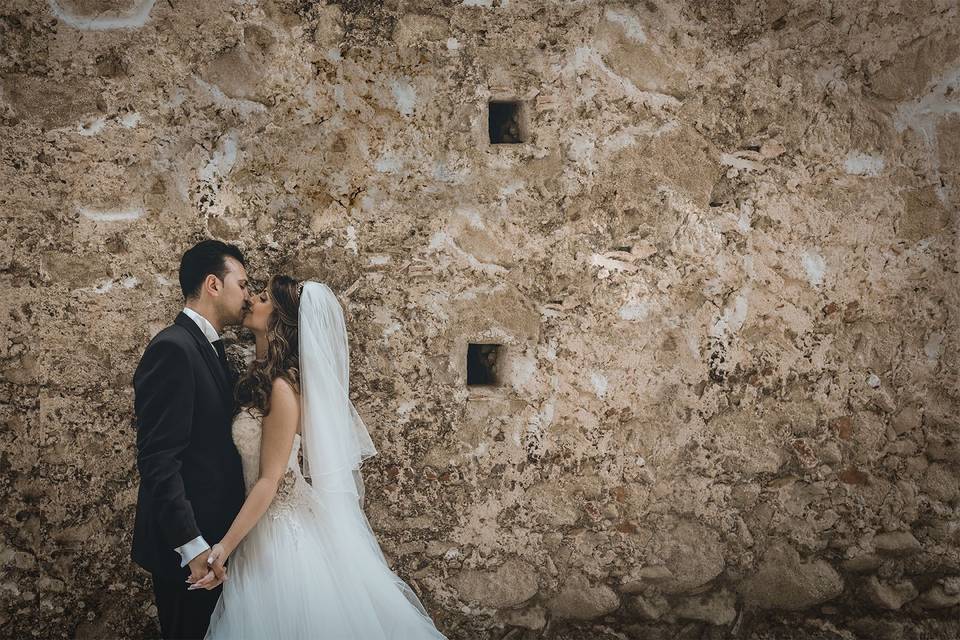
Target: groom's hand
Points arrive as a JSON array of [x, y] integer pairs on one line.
[[217, 572], [198, 567]]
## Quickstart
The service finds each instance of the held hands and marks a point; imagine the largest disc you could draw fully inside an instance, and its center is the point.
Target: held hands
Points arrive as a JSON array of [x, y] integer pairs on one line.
[[198, 567], [210, 571]]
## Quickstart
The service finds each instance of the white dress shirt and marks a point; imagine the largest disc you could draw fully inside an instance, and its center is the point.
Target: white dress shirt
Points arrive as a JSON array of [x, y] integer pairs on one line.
[[204, 325], [198, 545]]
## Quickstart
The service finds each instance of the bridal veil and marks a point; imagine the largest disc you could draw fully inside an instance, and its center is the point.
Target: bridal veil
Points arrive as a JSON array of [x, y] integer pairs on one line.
[[335, 439]]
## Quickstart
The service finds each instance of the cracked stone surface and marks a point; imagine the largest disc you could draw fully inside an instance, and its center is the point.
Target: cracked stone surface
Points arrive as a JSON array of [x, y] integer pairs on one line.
[[722, 269], [785, 581]]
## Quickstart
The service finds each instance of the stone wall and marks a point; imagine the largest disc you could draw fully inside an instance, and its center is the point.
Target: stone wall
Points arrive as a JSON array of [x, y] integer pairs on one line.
[[721, 268]]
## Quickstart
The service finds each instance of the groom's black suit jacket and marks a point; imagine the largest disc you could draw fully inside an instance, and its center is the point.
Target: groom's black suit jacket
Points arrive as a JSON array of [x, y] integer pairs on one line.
[[191, 478]]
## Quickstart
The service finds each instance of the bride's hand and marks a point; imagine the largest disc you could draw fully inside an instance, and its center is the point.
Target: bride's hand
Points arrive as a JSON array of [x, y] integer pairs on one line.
[[217, 573]]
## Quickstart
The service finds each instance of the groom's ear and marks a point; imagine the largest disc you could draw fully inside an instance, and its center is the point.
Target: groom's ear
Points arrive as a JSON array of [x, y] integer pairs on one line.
[[212, 283]]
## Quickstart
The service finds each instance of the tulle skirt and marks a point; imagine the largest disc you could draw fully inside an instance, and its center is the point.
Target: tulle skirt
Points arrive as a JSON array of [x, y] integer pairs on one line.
[[299, 574]]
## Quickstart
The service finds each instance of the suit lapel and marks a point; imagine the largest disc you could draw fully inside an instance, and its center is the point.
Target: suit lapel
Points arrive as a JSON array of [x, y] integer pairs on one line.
[[209, 356]]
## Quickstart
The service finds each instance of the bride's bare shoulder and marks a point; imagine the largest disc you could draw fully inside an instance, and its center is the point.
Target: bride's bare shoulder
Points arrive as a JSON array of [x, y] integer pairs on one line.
[[283, 392], [284, 405], [282, 386]]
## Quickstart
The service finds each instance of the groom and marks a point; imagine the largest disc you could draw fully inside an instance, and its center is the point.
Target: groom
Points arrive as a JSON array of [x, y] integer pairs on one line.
[[191, 479]]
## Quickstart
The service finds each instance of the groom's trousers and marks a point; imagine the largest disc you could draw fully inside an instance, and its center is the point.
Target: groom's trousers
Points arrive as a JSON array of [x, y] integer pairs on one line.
[[183, 614]]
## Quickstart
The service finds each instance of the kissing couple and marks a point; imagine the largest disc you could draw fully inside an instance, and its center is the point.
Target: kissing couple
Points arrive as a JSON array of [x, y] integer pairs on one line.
[[292, 554]]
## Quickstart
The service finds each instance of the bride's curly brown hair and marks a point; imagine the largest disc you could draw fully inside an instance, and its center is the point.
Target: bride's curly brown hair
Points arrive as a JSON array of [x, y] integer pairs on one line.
[[283, 348]]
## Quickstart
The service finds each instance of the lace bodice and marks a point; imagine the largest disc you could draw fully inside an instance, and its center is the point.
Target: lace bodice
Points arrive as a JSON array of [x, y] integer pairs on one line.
[[247, 427]]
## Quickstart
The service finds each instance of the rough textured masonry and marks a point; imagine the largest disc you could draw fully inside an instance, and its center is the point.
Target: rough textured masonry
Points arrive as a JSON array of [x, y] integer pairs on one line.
[[721, 266]]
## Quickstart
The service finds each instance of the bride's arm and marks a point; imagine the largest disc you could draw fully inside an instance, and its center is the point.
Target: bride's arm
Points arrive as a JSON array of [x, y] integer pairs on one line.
[[276, 442]]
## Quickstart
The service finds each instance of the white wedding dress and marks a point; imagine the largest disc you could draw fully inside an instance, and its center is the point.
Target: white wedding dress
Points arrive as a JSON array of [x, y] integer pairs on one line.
[[301, 574]]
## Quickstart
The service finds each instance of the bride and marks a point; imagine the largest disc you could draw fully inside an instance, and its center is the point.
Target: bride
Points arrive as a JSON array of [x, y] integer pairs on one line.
[[304, 562]]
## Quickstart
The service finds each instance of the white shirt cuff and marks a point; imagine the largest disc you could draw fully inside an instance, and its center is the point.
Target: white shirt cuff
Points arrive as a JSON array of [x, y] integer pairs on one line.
[[191, 550]]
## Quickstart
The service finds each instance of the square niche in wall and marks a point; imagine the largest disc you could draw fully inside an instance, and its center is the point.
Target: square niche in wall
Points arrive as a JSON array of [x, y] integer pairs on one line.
[[482, 364], [507, 121]]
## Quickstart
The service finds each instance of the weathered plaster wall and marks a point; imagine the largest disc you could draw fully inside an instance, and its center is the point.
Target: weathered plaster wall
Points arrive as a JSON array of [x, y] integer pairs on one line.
[[723, 268]]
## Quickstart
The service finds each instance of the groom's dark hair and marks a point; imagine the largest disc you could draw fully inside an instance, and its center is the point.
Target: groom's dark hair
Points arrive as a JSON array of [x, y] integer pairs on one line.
[[202, 259]]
